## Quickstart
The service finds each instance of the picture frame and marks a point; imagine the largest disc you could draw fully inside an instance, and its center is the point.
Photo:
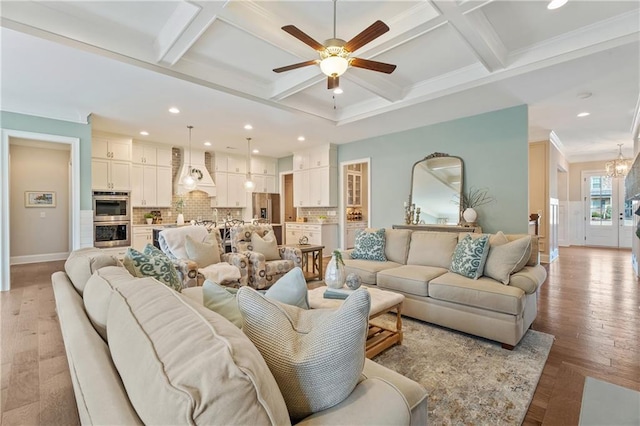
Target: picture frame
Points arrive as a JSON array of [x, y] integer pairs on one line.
[[39, 199]]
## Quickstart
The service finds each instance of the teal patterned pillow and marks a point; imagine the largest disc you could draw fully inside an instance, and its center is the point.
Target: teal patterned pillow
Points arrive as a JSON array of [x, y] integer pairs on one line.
[[470, 256], [152, 263], [369, 245]]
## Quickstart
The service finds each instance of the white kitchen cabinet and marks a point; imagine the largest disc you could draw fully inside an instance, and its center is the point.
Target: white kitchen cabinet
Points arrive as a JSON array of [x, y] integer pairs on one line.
[[354, 189], [230, 190], [315, 177], [317, 234], [301, 188], [264, 183], [150, 186], [221, 199], [142, 153], [231, 163], [352, 228], [300, 160], [110, 175], [263, 165], [111, 149], [142, 235], [164, 182], [322, 156]]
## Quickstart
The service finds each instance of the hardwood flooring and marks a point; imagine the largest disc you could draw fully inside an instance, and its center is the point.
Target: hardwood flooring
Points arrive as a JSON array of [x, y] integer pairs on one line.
[[590, 302]]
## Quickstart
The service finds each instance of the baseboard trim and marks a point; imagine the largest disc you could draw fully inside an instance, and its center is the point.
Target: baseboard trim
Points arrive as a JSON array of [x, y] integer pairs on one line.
[[37, 258]]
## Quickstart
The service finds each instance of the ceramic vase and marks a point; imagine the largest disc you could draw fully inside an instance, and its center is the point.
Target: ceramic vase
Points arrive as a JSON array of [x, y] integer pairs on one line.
[[149, 220], [470, 215], [335, 275], [180, 219]]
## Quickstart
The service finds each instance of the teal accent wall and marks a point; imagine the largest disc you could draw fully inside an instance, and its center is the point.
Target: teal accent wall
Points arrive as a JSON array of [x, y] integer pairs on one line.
[[30, 123], [495, 151]]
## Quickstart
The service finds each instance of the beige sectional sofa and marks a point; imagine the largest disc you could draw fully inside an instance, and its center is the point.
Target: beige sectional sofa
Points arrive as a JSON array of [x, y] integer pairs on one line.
[[418, 265], [141, 353]]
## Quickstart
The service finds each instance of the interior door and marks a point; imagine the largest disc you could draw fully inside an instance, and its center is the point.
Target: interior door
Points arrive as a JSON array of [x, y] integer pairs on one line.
[[609, 220]]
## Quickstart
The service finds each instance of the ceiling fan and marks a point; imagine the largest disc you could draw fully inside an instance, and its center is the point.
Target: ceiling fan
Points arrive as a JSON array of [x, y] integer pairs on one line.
[[335, 53]]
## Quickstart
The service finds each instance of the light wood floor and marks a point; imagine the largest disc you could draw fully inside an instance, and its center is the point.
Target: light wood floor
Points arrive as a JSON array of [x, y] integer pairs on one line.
[[590, 302]]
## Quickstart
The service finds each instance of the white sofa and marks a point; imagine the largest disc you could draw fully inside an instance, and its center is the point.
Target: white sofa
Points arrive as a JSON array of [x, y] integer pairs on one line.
[[417, 266], [140, 352]]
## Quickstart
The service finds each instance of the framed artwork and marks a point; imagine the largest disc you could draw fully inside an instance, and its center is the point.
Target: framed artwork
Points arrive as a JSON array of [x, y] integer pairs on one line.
[[39, 199]]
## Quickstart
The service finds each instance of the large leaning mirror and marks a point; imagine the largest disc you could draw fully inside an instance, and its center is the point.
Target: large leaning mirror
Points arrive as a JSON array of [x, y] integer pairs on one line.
[[436, 187]]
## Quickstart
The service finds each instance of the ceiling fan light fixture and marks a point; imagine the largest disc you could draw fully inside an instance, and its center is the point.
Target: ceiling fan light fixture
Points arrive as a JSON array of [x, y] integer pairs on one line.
[[334, 66], [338, 91]]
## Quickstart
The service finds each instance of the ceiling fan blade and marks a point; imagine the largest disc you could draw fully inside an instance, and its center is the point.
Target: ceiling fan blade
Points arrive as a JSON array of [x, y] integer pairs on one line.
[[373, 65], [294, 66], [333, 82], [297, 33], [371, 33]]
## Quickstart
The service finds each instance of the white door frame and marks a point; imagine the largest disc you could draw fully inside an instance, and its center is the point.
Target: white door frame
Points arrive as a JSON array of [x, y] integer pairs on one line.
[[341, 203], [74, 196]]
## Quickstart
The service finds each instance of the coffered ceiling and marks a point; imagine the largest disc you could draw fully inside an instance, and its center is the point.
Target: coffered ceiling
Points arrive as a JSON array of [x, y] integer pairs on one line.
[[127, 62]]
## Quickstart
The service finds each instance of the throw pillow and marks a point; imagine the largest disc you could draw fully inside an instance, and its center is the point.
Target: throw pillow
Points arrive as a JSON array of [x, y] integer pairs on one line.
[[469, 256], [221, 301], [507, 259], [316, 355], [267, 245], [203, 253], [369, 245], [291, 289], [154, 264]]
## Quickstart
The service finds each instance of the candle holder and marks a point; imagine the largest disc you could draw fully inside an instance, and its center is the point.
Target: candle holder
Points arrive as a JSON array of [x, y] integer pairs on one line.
[[411, 214]]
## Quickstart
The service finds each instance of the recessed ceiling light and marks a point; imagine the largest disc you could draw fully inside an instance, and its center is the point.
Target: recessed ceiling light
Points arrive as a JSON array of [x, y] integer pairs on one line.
[[144, 133], [338, 91], [256, 151], [555, 4], [207, 143], [584, 114], [301, 138], [174, 110], [248, 127]]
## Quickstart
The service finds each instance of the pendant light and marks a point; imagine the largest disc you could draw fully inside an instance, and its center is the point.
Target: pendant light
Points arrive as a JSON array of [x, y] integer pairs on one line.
[[248, 183], [618, 167], [189, 181]]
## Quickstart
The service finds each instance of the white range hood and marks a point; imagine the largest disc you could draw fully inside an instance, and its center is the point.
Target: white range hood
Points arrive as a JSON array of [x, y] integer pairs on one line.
[[205, 183]]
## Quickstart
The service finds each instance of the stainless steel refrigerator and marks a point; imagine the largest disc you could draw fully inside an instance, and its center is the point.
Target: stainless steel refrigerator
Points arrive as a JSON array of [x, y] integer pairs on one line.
[[266, 206]]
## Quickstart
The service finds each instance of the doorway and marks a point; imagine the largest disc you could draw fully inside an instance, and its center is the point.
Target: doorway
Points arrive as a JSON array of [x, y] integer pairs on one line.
[[355, 199], [290, 213], [609, 218]]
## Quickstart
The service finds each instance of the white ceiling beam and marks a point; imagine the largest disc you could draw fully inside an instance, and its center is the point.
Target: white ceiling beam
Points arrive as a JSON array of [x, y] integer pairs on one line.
[[376, 83], [185, 26], [477, 32]]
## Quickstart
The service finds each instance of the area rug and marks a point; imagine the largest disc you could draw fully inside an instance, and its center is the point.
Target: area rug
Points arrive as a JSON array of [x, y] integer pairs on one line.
[[470, 380], [606, 403]]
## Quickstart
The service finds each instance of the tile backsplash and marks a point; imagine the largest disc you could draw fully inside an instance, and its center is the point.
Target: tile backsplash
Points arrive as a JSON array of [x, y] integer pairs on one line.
[[313, 213]]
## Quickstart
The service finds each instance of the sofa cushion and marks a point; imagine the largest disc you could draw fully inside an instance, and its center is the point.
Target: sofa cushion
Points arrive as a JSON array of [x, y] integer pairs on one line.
[[369, 245], [204, 253], [316, 355], [411, 279], [266, 245], [82, 263], [432, 248], [183, 364], [528, 278], [291, 289], [219, 300], [484, 293], [496, 239], [469, 256], [367, 270], [506, 259], [396, 246], [152, 263], [97, 294]]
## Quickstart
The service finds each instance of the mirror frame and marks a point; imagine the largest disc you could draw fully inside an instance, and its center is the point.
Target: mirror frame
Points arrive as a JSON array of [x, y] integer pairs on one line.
[[441, 155]]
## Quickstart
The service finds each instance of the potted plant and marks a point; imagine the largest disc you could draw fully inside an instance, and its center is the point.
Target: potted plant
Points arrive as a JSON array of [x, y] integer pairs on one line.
[[475, 197], [179, 210], [322, 218], [149, 218]]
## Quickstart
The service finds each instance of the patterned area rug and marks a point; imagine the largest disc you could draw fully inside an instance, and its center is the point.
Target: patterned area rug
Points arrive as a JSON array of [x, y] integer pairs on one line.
[[470, 380]]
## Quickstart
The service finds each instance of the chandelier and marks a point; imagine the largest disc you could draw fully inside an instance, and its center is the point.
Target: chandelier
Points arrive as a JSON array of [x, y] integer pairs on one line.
[[190, 181], [618, 167]]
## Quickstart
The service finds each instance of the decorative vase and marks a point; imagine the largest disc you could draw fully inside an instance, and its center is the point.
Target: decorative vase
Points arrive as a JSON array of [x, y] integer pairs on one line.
[[469, 215], [180, 219], [149, 220], [335, 274], [353, 281]]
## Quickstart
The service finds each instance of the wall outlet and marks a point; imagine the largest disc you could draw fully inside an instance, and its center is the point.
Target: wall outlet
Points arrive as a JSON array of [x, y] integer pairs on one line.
[[43, 214]]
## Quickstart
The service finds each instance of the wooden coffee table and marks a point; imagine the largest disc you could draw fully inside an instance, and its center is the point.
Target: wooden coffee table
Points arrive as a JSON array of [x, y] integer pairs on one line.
[[379, 337]]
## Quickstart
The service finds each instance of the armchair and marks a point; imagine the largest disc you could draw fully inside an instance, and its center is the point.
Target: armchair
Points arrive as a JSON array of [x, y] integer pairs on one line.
[[263, 273], [172, 243]]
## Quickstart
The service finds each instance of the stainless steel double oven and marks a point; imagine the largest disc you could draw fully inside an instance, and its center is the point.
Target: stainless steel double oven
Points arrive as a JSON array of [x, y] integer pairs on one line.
[[111, 219]]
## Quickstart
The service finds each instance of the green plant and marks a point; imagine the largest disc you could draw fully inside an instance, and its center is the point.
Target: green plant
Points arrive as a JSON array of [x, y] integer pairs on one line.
[[180, 205], [338, 255], [323, 217], [148, 216], [475, 197]]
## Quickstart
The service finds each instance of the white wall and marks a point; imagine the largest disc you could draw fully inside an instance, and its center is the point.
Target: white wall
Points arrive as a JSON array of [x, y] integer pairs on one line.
[[39, 168]]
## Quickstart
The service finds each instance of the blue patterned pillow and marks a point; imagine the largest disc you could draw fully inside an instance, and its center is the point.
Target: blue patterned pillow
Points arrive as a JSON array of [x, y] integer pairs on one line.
[[470, 256], [152, 263], [369, 245]]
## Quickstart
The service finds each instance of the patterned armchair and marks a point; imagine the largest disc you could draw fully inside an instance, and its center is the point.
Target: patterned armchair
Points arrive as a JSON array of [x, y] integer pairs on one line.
[[172, 243], [262, 273]]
